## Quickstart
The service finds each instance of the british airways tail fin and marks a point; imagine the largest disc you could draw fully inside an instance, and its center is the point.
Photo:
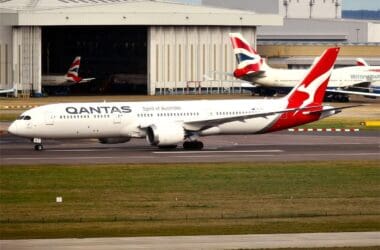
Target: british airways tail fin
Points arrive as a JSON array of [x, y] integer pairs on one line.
[[73, 72], [311, 90], [361, 62], [249, 61]]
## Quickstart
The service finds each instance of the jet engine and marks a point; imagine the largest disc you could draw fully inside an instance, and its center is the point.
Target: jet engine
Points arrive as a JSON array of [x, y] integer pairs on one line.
[[114, 140], [165, 135]]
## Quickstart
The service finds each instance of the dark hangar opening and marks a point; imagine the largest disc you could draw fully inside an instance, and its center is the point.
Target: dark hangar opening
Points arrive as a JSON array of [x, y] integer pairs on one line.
[[115, 55]]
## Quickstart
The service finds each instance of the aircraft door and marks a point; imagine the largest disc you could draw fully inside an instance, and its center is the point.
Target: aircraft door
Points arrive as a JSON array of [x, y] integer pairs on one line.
[[49, 119], [117, 118]]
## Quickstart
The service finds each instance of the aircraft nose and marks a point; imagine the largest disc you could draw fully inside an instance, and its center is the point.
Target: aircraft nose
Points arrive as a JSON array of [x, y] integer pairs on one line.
[[12, 129]]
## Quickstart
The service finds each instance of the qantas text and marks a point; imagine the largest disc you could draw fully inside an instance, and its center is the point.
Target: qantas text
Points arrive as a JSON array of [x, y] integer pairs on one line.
[[98, 110]]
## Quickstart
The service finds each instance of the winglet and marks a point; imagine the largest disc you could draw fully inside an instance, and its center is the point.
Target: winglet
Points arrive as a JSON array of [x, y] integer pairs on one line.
[[361, 62]]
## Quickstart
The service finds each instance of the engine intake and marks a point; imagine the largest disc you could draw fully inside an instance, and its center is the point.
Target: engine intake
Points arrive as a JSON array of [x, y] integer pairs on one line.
[[165, 134]]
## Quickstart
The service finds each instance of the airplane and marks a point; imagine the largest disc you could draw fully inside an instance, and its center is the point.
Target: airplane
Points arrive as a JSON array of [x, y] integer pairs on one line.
[[370, 91], [71, 78], [7, 91], [254, 69], [166, 124]]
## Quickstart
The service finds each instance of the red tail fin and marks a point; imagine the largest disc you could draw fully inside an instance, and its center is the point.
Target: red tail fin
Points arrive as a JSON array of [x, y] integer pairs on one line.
[[311, 91], [247, 58], [73, 72]]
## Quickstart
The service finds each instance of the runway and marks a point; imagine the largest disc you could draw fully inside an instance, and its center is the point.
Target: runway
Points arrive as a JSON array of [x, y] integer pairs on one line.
[[263, 241], [281, 146]]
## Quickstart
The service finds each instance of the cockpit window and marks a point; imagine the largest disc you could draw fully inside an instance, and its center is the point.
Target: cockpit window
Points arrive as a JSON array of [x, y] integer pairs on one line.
[[24, 117]]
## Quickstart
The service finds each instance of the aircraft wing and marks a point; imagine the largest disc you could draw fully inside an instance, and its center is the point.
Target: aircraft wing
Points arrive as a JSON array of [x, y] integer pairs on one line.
[[203, 124], [84, 80], [223, 73], [248, 85], [249, 77], [348, 92], [4, 91], [253, 76]]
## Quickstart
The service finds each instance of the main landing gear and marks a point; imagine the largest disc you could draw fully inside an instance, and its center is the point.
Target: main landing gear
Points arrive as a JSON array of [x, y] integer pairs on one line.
[[193, 145], [38, 144]]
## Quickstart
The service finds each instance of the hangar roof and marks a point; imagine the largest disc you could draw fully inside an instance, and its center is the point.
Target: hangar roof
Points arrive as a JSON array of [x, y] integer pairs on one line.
[[125, 12]]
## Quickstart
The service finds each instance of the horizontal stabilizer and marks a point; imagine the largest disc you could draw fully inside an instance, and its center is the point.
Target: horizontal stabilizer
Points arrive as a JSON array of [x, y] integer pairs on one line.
[[333, 109], [347, 92]]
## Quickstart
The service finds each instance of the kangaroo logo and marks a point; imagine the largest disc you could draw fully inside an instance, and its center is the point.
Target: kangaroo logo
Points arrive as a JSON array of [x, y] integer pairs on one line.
[[311, 89]]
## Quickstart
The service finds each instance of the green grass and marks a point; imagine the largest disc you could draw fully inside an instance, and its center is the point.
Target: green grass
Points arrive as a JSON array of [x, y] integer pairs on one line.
[[339, 122], [9, 116], [188, 199]]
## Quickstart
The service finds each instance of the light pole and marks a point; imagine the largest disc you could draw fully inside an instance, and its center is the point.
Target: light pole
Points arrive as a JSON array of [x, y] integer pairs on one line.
[[357, 35], [311, 3], [286, 5], [337, 5]]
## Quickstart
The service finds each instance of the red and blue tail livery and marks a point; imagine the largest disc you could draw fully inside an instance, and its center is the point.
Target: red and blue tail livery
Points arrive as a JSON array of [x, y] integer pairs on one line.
[[73, 72], [249, 62]]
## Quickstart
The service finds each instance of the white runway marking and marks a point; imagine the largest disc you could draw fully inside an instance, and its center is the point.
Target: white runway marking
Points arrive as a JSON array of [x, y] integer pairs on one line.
[[303, 144], [219, 152], [78, 150], [207, 156], [342, 154], [76, 158]]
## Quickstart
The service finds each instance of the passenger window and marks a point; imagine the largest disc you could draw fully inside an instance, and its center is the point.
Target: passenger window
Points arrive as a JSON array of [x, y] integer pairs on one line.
[[27, 117]]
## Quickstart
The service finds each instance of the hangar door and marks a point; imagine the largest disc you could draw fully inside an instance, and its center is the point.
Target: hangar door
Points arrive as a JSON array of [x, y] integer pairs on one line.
[[182, 55], [115, 55]]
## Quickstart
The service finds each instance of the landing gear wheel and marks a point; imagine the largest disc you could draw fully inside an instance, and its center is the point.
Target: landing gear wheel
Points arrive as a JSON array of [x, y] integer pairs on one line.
[[38, 147], [193, 145]]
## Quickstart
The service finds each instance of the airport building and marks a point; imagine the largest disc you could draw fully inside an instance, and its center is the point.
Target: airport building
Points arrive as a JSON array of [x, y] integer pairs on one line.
[[155, 44]]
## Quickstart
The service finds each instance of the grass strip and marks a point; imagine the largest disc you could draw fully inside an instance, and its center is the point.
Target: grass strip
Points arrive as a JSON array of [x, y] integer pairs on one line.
[[188, 199]]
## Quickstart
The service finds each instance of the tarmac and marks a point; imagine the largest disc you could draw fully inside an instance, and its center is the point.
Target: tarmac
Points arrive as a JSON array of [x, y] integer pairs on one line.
[[274, 147], [260, 241]]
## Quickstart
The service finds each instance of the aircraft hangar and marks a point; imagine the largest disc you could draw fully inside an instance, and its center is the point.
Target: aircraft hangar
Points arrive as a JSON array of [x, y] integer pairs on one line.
[[153, 43]]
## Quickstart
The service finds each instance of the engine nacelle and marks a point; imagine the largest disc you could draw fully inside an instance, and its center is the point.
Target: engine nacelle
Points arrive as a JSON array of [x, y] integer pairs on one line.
[[165, 134], [114, 140]]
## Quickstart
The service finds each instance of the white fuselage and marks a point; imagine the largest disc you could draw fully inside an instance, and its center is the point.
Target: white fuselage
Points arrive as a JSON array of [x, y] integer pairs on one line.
[[56, 80], [340, 78], [128, 119]]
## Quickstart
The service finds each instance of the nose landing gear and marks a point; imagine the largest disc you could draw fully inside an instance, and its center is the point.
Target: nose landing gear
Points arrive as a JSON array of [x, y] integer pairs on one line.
[[38, 147], [38, 144]]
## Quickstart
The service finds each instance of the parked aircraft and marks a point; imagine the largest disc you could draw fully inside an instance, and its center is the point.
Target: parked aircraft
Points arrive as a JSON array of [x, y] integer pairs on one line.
[[7, 91], [166, 124], [252, 68], [72, 76]]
